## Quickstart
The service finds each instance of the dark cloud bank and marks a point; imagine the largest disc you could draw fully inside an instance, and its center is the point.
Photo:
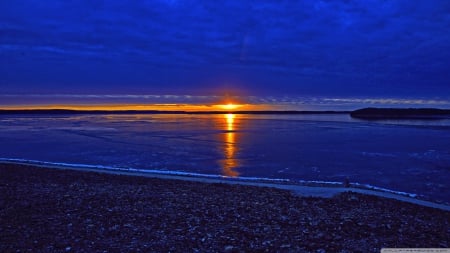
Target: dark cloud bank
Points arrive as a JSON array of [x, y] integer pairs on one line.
[[302, 48]]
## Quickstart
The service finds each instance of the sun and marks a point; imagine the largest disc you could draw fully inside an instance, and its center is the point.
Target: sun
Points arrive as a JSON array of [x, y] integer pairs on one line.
[[229, 106]]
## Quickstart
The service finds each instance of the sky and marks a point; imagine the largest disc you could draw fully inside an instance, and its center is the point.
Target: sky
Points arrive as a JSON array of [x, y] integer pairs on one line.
[[301, 54]]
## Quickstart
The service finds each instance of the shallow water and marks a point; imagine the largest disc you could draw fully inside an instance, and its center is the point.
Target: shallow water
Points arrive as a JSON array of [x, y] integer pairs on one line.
[[411, 156]]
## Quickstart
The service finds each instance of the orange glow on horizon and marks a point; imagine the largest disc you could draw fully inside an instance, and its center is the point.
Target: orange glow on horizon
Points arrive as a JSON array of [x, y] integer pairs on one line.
[[230, 106], [144, 107]]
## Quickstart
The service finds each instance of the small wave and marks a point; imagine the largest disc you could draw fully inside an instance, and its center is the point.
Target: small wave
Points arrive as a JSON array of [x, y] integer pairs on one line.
[[84, 128], [376, 154], [193, 174], [376, 188], [149, 171]]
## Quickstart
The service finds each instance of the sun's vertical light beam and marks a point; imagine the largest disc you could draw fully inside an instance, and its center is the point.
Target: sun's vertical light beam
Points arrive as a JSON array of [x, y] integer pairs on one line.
[[230, 162]]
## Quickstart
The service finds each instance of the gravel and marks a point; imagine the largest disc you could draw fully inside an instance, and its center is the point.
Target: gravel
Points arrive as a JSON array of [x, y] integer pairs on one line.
[[48, 210]]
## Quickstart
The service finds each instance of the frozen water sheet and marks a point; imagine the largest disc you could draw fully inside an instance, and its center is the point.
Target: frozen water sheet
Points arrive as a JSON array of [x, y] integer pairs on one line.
[[410, 158]]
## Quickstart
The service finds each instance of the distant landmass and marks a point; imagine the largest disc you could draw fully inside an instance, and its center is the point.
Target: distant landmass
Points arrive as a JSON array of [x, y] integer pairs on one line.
[[366, 113], [66, 111], [396, 113]]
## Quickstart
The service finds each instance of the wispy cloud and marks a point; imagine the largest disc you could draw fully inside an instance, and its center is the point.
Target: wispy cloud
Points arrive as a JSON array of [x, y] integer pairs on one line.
[[280, 102], [387, 101]]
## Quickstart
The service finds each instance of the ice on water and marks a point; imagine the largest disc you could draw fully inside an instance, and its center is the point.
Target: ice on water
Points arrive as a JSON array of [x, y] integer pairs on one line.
[[409, 156]]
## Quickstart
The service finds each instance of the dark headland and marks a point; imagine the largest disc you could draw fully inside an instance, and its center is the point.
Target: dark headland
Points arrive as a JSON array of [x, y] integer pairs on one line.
[[50, 210], [397, 113]]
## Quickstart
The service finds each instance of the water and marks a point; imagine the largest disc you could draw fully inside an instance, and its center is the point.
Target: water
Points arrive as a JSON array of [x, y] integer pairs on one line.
[[410, 156]]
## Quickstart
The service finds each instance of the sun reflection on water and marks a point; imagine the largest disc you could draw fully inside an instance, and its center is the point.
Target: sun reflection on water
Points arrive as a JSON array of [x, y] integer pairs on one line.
[[230, 162], [230, 121]]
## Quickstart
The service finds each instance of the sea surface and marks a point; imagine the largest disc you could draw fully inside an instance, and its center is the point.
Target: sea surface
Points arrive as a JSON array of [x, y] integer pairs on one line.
[[410, 156]]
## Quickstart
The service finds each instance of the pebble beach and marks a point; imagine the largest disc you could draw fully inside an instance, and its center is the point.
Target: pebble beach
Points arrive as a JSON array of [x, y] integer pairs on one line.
[[49, 210]]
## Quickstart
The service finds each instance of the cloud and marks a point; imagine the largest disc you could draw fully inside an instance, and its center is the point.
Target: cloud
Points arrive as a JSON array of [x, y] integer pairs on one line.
[[277, 102], [314, 47]]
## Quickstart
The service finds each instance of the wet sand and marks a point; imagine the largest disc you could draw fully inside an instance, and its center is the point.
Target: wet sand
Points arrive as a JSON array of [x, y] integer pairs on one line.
[[43, 209]]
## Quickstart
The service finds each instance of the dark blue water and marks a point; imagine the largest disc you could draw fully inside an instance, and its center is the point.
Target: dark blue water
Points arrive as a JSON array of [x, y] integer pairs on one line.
[[409, 156]]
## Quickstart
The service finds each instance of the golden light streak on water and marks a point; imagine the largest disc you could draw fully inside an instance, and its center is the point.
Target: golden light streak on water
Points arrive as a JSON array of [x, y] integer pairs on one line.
[[230, 162]]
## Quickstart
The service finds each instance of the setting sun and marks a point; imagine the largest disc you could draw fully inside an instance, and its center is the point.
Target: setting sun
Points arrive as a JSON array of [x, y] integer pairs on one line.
[[229, 106]]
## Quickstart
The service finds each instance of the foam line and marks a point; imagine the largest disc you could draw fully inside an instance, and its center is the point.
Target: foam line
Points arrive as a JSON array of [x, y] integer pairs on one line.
[[192, 174]]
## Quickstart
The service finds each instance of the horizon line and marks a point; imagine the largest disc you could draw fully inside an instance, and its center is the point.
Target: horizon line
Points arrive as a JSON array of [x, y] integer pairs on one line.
[[96, 111]]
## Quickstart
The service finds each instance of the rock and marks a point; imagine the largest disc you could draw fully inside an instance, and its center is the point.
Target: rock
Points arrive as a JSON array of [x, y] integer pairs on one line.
[[353, 198], [228, 248], [346, 182]]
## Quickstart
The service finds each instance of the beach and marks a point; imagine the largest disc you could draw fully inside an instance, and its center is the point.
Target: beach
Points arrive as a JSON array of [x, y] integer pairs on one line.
[[51, 210]]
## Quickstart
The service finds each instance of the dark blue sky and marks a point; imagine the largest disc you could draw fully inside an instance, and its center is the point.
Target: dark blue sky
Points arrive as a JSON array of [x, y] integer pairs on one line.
[[370, 48]]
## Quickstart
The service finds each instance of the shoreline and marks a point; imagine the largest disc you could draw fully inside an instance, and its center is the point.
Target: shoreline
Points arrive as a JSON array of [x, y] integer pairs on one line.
[[304, 189], [67, 210]]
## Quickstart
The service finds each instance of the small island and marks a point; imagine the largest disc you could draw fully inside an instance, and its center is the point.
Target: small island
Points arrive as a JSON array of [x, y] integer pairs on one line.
[[397, 113]]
